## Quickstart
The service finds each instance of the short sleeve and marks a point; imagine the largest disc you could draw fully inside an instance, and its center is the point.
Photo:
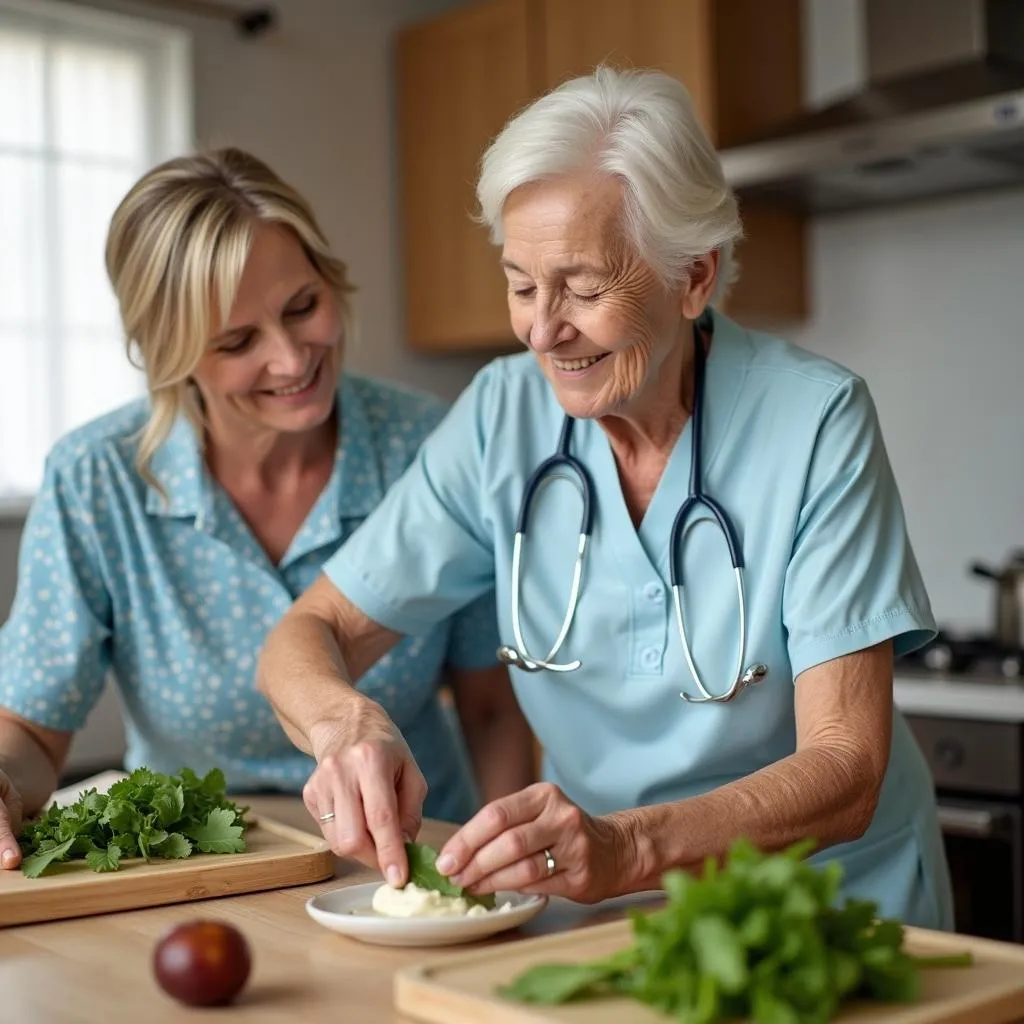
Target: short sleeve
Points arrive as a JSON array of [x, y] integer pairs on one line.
[[852, 579], [54, 648], [425, 551], [474, 636]]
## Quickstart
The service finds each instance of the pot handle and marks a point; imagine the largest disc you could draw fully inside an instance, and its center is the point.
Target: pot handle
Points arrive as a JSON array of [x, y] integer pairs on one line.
[[983, 570]]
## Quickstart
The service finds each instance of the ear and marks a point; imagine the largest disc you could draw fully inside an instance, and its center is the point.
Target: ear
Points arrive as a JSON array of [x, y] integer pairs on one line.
[[701, 285]]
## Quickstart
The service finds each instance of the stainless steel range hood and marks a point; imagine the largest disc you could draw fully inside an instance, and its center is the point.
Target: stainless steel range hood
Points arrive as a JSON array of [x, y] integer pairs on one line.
[[942, 113]]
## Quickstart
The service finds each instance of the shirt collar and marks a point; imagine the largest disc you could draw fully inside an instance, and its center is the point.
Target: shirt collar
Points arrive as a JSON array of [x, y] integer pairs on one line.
[[356, 486], [354, 490]]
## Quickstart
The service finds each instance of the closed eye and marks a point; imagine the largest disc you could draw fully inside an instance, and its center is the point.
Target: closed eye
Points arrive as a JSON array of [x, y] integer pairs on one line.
[[236, 346], [305, 309]]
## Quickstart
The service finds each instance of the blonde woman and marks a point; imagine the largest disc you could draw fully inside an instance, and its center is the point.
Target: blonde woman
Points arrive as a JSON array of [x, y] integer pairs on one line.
[[170, 535]]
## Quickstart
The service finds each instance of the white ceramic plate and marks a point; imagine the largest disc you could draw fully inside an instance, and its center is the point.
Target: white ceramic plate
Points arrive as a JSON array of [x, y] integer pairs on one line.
[[348, 911]]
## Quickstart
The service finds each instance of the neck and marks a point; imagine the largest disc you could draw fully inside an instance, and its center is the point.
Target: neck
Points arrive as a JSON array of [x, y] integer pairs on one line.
[[266, 459], [652, 422]]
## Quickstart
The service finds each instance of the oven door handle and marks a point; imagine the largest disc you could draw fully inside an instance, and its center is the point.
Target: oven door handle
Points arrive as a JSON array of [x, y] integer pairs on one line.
[[971, 822]]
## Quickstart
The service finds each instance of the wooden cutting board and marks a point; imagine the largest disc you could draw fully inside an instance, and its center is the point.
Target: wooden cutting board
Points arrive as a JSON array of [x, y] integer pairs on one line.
[[460, 988], [276, 856]]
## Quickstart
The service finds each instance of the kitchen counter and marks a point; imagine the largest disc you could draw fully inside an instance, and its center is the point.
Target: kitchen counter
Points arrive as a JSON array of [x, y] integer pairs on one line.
[[960, 697], [99, 968]]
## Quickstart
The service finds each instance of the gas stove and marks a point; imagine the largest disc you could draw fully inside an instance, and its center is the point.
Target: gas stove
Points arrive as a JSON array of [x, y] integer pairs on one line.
[[969, 656]]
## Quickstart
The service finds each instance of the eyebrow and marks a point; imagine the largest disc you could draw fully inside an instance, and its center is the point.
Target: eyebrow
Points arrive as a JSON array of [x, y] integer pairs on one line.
[[236, 332], [569, 270]]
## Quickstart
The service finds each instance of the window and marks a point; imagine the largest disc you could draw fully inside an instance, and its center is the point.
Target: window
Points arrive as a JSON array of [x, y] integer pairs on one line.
[[88, 102]]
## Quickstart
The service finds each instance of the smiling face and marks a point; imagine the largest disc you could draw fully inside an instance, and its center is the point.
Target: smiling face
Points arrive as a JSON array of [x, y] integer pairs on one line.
[[604, 328], [274, 365]]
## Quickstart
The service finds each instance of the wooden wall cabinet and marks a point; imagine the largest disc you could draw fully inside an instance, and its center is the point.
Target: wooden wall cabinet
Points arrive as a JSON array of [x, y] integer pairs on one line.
[[462, 75]]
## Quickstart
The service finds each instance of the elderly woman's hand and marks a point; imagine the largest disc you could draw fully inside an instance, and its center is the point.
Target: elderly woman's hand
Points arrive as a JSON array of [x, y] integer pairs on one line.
[[367, 791], [539, 841]]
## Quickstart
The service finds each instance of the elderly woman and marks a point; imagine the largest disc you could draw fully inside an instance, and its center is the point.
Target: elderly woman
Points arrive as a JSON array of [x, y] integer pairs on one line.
[[170, 535], [673, 718]]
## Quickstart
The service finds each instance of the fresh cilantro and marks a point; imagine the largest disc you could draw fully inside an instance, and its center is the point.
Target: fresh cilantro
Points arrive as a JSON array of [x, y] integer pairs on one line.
[[218, 834], [423, 872], [146, 815], [105, 860], [176, 846], [760, 938]]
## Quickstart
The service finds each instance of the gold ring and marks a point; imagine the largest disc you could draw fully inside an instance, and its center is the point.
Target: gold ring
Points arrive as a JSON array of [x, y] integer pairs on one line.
[[549, 862], [324, 818]]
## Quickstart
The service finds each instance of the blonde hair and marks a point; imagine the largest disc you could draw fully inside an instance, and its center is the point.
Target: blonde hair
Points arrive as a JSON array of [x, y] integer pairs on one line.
[[176, 249], [639, 126]]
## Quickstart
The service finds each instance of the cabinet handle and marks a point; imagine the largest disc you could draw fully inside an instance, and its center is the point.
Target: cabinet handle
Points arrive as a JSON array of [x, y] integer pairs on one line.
[[965, 821]]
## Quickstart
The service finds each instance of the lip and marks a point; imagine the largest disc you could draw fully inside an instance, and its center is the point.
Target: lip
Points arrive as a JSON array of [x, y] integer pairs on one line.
[[577, 374], [299, 396]]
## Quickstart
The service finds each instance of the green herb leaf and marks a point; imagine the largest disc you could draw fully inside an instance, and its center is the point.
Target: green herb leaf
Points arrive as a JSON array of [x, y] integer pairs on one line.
[[423, 872], [35, 864], [175, 847], [551, 984], [169, 802], [720, 954], [146, 814], [219, 833], [104, 860], [150, 837], [759, 937]]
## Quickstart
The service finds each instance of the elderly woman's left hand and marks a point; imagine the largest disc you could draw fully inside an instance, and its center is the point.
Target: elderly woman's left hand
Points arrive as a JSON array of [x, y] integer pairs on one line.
[[538, 841]]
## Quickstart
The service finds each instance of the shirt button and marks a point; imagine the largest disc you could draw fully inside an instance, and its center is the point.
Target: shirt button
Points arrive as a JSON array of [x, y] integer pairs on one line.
[[650, 657], [654, 592]]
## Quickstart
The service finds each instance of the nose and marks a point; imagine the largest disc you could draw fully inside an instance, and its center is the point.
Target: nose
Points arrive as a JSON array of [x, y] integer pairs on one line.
[[549, 329], [288, 358]]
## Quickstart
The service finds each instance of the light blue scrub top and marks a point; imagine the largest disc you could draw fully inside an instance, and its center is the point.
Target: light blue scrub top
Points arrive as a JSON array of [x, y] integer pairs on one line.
[[794, 452], [176, 600]]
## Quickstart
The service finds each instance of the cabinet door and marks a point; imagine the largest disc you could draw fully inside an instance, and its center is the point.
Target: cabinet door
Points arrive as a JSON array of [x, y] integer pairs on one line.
[[740, 60], [460, 77], [672, 35]]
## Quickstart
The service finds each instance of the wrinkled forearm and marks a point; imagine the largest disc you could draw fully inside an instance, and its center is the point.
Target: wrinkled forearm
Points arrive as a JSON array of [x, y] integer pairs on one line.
[[825, 794], [303, 674]]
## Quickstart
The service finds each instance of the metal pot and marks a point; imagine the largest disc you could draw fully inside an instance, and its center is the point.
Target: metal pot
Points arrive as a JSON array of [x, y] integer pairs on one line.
[[1008, 606]]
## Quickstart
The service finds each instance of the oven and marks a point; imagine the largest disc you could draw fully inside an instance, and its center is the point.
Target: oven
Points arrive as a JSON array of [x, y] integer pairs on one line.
[[979, 782]]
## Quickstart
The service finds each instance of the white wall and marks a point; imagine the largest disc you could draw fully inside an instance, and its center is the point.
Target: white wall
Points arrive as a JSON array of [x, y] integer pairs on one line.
[[314, 98], [927, 303]]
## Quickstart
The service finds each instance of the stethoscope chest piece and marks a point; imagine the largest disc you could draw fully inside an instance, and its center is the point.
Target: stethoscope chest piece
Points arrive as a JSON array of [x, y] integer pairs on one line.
[[754, 674]]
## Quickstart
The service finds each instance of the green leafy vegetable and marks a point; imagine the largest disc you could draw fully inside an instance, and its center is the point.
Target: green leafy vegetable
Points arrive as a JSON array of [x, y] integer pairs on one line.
[[760, 939], [423, 872], [145, 815]]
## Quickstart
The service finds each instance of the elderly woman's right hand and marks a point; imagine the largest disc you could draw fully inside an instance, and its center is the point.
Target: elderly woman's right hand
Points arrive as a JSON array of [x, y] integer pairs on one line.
[[10, 822], [368, 787]]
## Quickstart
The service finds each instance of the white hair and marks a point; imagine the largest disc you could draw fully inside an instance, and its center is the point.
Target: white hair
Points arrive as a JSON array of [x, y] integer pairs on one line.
[[641, 127]]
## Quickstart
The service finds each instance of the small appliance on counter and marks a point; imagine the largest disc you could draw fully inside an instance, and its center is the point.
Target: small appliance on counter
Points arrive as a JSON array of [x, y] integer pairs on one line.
[[971, 656], [987, 657]]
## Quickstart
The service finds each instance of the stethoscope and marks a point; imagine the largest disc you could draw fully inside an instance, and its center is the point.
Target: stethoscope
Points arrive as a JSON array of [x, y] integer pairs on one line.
[[563, 465]]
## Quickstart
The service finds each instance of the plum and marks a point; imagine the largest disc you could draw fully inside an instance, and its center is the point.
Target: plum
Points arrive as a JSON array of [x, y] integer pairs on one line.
[[202, 962]]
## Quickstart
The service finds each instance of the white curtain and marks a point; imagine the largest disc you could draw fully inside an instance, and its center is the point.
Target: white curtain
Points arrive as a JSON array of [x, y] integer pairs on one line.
[[86, 105]]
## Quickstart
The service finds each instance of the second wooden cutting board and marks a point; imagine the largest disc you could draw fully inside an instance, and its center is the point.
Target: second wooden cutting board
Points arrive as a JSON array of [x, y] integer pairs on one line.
[[276, 856], [461, 988]]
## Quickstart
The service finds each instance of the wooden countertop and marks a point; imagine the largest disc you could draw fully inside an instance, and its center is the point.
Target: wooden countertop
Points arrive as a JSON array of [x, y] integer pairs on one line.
[[99, 968]]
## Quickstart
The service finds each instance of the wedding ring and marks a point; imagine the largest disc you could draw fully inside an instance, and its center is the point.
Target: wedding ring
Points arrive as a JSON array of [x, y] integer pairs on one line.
[[549, 862], [324, 818]]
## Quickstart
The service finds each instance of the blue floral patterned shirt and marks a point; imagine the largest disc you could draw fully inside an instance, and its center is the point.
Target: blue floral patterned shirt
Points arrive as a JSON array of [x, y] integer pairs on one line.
[[176, 600]]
